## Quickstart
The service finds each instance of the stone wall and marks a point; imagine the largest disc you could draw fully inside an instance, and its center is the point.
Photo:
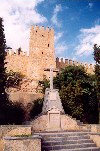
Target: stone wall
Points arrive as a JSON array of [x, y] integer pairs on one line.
[[17, 62], [24, 97], [62, 63], [41, 56], [11, 130], [31, 143], [41, 51]]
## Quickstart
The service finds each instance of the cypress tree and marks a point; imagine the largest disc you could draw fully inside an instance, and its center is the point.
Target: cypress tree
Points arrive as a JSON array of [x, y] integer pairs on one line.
[[97, 73], [3, 96], [10, 113]]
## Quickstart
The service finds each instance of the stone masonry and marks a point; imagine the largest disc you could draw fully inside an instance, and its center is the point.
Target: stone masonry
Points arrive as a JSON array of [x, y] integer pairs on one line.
[[41, 56]]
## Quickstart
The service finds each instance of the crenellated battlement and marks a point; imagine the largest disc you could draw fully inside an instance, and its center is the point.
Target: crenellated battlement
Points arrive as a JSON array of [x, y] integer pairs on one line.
[[41, 56], [11, 52], [41, 41], [62, 63], [41, 29]]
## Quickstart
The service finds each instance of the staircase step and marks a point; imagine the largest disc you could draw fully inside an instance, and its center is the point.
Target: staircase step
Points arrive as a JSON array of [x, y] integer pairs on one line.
[[65, 138], [69, 146], [62, 133], [79, 149], [66, 142]]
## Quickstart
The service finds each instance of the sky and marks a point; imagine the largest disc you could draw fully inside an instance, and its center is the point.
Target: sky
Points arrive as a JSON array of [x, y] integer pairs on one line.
[[76, 24]]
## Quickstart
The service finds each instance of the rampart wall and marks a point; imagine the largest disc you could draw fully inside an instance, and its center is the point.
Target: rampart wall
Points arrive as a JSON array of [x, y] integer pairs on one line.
[[40, 57], [21, 63], [17, 62], [62, 63]]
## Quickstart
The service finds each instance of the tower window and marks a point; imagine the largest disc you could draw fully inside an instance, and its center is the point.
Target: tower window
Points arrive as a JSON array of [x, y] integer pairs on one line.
[[36, 31], [42, 52], [42, 35], [48, 45]]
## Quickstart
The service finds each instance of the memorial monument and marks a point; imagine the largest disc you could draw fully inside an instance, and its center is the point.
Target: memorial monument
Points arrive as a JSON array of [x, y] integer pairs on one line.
[[52, 105], [52, 98], [53, 117]]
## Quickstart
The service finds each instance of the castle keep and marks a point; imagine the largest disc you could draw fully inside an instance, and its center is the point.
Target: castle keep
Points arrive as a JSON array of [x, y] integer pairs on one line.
[[41, 56]]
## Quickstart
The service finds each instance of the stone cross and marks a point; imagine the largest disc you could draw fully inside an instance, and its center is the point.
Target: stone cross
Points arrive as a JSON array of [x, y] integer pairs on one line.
[[51, 69], [51, 78]]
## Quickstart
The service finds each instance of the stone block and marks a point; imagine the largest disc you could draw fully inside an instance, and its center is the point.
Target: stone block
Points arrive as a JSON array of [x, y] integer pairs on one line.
[[31, 143], [20, 131], [54, 121], [52, 99]]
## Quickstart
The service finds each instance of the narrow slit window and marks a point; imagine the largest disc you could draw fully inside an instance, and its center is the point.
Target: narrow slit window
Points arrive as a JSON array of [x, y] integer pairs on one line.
[[48, 45]]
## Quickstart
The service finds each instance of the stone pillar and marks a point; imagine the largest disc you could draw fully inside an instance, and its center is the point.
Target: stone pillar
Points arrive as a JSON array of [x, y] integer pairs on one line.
[[28, 143]]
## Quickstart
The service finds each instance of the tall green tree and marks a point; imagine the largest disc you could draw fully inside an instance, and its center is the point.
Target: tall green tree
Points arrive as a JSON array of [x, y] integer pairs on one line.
[[10, 113], [3, 77], [97, 73], [97, 54], [78, 93]]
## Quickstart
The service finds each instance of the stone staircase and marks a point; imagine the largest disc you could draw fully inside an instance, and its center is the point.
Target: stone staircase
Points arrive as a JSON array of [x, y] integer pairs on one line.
[[67, 141]]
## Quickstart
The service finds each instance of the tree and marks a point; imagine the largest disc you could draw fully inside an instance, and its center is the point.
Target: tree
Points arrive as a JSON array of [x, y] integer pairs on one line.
[[44, 84], [97, 73], [3, 77], [78, 93], [10, 113], [97, 54], [36, 108], [14, 79]]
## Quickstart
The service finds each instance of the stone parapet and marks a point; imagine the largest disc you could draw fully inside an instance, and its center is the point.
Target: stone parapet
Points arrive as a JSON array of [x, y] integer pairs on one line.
[[10, 52], [11, 130], [31, 143], [62, 63]]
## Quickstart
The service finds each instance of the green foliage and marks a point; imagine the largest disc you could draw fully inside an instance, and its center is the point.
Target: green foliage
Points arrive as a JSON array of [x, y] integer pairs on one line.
[[44, 84], [36, 108], [78, 93], [97, 73], [97, 53], [14, 79], [3, 96], [10, 113]]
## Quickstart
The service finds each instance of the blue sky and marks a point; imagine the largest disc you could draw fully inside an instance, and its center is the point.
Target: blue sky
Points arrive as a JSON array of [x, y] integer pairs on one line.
[[76, 24]]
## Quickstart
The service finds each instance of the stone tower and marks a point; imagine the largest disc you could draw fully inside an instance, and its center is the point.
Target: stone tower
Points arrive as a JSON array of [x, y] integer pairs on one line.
[[41, 52]]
